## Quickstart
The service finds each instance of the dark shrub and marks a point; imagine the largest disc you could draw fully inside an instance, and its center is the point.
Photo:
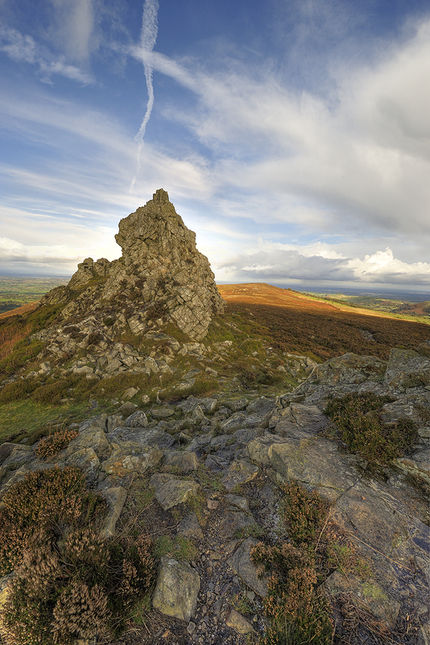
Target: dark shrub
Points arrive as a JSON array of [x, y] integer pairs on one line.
[[43, 499], [70, 583], [297, 612], [304, 514], [80, 612], [357, 422]]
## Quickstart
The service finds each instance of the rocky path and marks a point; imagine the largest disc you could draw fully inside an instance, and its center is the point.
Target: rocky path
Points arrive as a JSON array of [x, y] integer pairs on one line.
[[211, 472]]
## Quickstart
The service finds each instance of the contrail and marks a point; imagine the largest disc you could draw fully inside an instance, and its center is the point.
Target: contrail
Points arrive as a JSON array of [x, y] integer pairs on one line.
[[148, 37]]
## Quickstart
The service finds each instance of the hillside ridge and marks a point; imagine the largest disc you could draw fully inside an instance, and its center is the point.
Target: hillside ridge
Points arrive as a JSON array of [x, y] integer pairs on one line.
[[175, 469]]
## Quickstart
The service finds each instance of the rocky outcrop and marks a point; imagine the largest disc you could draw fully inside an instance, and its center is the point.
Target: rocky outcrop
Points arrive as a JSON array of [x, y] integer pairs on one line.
[[214, 469], [160, 279]]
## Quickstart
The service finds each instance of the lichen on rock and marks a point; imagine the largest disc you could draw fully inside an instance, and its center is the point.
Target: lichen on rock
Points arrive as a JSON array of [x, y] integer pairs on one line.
[[160, 279]]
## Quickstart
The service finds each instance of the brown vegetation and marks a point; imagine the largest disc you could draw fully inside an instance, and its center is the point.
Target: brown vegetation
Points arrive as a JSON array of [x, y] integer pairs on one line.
[[357, 423], [295, 607], [297, 323], [10, 335], [16, 347], [52, 444], [69, 582], [311, 548], [19, 311]]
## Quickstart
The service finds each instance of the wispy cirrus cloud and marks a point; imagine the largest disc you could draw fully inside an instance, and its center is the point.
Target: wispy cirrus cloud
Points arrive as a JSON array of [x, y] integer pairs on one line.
[[23, 48], [148, 37], [73, 27], [362, 155]]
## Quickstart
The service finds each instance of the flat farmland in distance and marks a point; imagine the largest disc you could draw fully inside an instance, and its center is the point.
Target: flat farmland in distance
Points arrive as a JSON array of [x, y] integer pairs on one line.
[[302, 324], [15, 291]]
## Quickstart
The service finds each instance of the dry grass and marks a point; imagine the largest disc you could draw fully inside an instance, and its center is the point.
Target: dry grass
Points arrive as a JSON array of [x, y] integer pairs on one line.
[[10, 335], [69, 582], [299, 324], [19, 311]]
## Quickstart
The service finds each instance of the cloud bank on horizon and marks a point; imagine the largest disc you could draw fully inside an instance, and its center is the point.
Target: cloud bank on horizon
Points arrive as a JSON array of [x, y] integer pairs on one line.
[[292, 137]]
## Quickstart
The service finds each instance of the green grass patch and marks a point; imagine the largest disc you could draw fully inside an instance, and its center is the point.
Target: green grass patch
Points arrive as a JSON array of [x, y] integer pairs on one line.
[[26, 421], [23, 353], [43, 316], [178, 547], [201, 385]]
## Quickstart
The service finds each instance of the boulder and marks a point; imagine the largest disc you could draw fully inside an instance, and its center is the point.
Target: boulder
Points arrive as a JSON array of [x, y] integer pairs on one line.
[[137, 440], [181, 461], [177, 588], [86, 460], [313, 461], [243, 566], [136, 420], [418, 465], [239, 623], [115, 497], [407, 369], [91, 436], [163, 412], [366, 594], [122, 463], [170, 490], [240, 472]]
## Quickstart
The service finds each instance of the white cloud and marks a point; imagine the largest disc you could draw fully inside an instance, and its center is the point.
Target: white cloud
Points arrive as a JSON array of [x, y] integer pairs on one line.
[[14, 251], [382, 266], [23, 48], [361, 157], [287, 263], [73, 28], [352, 166]]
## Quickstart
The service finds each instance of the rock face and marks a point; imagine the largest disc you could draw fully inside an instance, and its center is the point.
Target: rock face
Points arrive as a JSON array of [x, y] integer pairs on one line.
[[161, 278]]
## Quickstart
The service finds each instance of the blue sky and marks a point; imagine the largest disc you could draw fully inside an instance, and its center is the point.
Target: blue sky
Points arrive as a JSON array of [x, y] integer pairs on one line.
[[292, 136]]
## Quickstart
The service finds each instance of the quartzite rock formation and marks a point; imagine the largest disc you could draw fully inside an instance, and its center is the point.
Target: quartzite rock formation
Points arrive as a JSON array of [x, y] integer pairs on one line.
[[161, 278], [248, 448]]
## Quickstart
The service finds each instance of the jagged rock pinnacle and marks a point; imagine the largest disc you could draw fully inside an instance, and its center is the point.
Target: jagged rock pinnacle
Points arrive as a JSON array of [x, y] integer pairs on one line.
[[160, 195], [160, 278]]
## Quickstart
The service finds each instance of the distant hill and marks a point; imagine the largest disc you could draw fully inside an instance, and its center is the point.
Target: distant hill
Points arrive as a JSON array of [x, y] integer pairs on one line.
[[320, 328], [398, 307]]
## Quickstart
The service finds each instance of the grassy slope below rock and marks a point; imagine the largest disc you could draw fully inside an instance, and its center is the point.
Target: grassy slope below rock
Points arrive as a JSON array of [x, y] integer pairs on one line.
[[236, 352], [26, 421], [245, 350]]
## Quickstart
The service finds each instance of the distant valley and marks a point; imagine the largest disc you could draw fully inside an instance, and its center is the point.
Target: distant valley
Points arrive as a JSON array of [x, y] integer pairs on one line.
[[18, 291]]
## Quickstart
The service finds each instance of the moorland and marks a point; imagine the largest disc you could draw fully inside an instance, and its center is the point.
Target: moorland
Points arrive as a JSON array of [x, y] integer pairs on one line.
[[183, 465]]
